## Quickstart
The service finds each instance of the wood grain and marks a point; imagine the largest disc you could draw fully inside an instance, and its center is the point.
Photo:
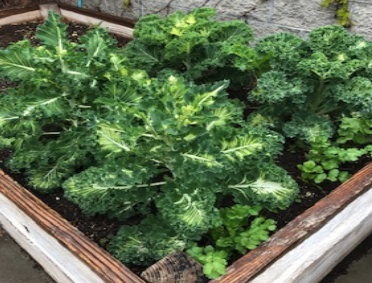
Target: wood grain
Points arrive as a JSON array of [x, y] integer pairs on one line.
[[105, 266], [315, 257], [29, 16], [10, 4], [112, 27], [56, 260], [175, 268], [11, 12], [99, 15], [244, 269]]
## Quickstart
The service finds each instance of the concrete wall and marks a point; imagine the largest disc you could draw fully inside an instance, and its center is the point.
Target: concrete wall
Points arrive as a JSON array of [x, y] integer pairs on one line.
[[265, 16]]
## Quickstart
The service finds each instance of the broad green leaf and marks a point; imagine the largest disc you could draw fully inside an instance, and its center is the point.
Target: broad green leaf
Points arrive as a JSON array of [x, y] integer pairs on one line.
[[110, 140], [53, 33], [16, 64]]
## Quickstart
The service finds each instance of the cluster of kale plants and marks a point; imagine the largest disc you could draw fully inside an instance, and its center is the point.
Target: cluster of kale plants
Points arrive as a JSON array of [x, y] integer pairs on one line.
[[149, 130], [123, 143]]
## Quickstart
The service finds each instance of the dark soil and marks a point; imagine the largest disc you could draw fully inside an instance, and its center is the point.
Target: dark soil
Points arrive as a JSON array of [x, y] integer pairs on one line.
[[99, 228]]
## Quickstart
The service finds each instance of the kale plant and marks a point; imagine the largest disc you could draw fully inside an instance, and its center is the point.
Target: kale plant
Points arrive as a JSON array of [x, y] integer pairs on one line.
[[195, 46], [313, 83], [48, 119], [125, 144], [182, 147]]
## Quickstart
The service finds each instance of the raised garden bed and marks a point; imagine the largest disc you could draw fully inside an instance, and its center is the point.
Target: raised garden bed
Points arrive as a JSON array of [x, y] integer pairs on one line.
[[70, 257]]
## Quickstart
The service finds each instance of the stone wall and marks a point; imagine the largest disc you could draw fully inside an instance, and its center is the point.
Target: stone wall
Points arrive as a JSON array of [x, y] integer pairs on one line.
[[265, 16]]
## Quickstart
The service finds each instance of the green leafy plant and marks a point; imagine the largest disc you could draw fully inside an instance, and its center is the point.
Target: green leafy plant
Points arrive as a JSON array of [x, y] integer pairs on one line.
[[187, 153], [195, 46], [343, 12], [214, 262], [124, 144], [239, 228], [48, 119], [313, 83], [326, 157]]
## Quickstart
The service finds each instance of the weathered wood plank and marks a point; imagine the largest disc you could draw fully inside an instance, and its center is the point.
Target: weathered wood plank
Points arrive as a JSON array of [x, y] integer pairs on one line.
[[98, 15], [112, 27], [105, 266], [45, 8], [21, 3], [175, 268], [21, 18], [314, 258], [244, 269], [14, 11], [59, 263]]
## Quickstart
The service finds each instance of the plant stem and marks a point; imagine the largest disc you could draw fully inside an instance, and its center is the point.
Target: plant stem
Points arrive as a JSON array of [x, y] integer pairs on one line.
[[318, 96]]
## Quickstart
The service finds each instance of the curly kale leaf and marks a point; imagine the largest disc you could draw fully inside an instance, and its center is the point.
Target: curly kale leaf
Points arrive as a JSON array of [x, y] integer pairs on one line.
[[119, 189], [132, 244], [189, 212], [274, 87], [308, 127], [333, 40], [191, 44], [356, 93], [286, 50], [325, 76], [272, 189]]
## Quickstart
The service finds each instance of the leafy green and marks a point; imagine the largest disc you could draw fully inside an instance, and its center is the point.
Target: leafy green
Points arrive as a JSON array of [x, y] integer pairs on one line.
[[193, 45], [132, 244], [214, 262], [165, 149], [326, 157], [313, 83], [238, 228], [343, 12]]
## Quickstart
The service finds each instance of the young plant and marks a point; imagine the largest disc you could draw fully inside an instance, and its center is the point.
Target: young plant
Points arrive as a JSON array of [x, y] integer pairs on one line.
[[193, 45], [326, 157], [214, 261], [47, 120], [126, 144], [180, 146], [239, 228], [314, 83]]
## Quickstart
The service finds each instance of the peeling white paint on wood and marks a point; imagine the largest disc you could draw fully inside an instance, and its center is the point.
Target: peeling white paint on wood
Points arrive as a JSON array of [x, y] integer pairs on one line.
[[114, 28], [58, 262], [314, 258], [45, 8], [21, 18]]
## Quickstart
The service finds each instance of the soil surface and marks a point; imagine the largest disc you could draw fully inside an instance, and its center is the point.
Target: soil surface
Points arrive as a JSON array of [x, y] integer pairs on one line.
[[99, 228]]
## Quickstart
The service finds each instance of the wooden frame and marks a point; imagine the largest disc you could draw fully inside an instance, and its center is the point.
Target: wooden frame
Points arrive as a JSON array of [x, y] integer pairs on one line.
[[117, 25], [68, 256]]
